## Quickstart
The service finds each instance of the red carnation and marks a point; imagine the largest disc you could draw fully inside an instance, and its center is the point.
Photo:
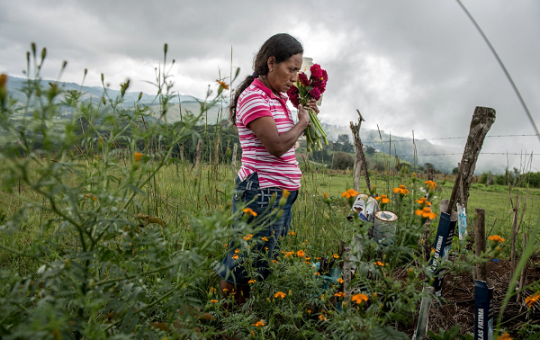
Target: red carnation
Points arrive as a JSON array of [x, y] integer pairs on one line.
[[325, 76], [303, 79], [316, 71], [315, 93], [293, 96]]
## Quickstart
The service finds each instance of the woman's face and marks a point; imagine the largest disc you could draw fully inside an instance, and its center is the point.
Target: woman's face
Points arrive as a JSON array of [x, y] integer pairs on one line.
[[283, 75]]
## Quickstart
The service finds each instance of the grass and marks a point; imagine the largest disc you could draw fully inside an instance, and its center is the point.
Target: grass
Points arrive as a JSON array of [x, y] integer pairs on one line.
[[98, 245]]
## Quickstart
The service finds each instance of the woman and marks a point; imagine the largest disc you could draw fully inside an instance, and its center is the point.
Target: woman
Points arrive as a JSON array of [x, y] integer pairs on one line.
[[269, 168]]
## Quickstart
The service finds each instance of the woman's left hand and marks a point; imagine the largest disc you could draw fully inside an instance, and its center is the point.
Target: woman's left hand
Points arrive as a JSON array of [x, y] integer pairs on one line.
[[312, 104]]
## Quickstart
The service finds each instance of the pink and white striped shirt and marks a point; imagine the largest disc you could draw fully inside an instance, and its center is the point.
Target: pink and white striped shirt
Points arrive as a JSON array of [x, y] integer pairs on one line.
[[255, 102]]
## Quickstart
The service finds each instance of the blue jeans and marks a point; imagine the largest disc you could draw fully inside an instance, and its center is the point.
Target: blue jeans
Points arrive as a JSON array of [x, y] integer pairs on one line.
[[247, 194]]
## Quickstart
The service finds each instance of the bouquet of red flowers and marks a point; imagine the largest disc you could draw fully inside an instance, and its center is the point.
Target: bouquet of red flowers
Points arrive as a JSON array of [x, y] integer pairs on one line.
[[306, 88]]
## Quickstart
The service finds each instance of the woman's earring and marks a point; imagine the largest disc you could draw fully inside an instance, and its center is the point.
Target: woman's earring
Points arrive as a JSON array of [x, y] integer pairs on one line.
[[270, 70]]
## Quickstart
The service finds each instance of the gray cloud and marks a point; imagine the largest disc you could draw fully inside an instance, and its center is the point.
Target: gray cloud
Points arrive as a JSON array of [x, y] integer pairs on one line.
[[414, 65]]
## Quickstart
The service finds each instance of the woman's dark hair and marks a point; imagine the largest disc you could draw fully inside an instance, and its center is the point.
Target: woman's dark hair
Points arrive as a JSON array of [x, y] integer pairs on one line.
[[281, 46]]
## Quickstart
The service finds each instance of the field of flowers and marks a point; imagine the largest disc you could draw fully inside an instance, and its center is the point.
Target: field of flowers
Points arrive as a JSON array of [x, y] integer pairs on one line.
[[104, 234]]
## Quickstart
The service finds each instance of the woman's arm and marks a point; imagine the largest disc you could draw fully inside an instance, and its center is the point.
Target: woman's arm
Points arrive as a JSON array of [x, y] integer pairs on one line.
[[278, 144]]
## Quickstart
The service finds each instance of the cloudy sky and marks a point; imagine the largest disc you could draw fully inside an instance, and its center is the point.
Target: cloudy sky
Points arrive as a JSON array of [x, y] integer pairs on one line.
[[406, 65]]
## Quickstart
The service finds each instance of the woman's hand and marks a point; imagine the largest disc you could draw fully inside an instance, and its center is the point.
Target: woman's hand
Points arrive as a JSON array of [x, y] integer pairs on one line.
[[312, 104], [303, 115]]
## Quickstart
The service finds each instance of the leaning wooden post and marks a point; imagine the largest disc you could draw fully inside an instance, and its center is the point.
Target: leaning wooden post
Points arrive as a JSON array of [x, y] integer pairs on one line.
[[483, 118], [360, 159]]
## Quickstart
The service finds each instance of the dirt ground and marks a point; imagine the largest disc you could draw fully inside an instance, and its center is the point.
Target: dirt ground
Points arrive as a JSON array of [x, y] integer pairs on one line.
[[458, 305]]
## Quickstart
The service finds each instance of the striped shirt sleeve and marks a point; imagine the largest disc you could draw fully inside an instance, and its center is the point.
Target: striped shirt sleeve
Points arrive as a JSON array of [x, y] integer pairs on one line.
[[252, 106]]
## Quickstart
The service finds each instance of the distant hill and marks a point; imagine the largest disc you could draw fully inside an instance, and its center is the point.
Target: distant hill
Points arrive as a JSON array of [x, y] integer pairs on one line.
[[94, 93], [402, 146]]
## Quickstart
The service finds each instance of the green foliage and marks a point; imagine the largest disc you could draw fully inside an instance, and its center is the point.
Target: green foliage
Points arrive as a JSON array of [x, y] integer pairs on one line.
[[451, 334]]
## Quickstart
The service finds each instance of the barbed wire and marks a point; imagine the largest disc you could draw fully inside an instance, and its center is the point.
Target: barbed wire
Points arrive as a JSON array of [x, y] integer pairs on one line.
[[481, 153], [442, 138]]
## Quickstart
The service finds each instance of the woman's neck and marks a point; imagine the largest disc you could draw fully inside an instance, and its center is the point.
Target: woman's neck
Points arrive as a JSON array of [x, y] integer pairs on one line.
[[264, 80]]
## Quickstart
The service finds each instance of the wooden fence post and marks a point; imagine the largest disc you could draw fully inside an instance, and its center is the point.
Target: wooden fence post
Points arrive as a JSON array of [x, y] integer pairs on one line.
[[360, 159], [480, 235], [483, 118]]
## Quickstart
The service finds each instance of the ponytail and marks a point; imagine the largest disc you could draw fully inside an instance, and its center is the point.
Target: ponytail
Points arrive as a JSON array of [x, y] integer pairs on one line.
[[232, 108]]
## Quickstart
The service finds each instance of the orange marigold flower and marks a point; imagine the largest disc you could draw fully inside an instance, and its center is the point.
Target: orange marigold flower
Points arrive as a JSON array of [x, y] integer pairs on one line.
[[237, 251], [325, 195], [292, 233], [300, 253], [397, 190], [274, 261], [214, 301], [504, 336], [317, 273], [383, 198], [402, 186], [430, 184], [259, 323], [340, 280], [286, 193], [496, 238], [249, 211], [349, 193], [248, 237], [137, 156], [308, 258], [251, 281], [235, 257], [336, 256], [426, 213], [222, 84], [289, 253], [322, 317], [530, 300], [379, 263], [264, 238], [280, 295], [359, 298], [340, 294]]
